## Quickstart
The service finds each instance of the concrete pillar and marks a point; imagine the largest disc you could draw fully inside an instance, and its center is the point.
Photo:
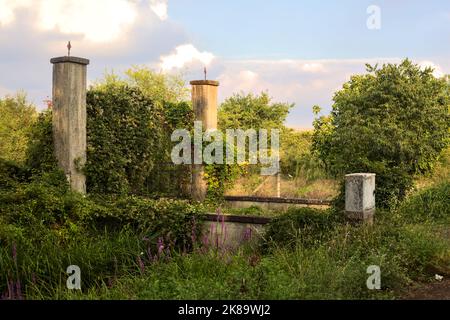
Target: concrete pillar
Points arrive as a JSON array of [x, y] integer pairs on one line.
[[204, 102], [69, 117], [360, 197]]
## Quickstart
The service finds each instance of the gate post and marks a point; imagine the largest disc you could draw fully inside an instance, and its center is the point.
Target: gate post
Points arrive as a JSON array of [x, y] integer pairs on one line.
[[360, 197], [69, 117], [204, 102]]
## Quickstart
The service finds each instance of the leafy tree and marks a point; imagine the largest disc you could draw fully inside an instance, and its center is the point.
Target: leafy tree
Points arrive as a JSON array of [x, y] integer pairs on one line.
[[252, 111], [40, 154], [296, 157], [16, 120], [168, 96], [123, 134], [159, 87], [392, 121]]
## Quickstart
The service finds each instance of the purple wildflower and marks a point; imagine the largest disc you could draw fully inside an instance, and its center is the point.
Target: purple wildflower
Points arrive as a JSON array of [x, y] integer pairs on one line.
[[160, 246], [247, 234]]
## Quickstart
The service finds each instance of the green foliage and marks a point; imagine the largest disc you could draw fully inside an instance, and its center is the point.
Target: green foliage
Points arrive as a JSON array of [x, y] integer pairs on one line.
[[179, 115], [40, 154], [158, 100], [11, 174], [392, 121], [243, 112], [304, 226], [252, 112], [16, 121], [432, 204], [167, 178], [296, 157], [159, 87], [219, 178], [172, 220], [44, 228], [123, 133], [49, 228], [334, 268]]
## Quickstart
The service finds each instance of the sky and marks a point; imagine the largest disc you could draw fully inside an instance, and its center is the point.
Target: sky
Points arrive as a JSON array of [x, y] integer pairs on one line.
[[300, 52]]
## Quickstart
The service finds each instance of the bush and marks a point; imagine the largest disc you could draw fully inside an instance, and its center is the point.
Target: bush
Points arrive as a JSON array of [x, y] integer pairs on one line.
[[44, 228], [16, 121], [12, 173], [303, 226], [123, 133], [392, 121], [429, 205], [40, 155]]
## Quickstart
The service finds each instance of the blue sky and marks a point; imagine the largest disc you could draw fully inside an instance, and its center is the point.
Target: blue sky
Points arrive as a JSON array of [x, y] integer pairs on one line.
[[299, 51], [316, 29]]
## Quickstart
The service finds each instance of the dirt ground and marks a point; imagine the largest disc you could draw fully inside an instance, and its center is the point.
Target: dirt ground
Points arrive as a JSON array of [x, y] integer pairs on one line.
[[432, 291]]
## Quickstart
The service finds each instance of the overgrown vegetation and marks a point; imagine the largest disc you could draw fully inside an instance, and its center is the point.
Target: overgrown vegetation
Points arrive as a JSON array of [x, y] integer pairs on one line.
[[134, 247], [392, 121], [44, 228], [17, 118]]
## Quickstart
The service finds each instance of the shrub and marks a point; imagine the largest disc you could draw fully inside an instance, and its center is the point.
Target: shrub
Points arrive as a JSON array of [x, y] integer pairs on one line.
[[44, 228], [40, 154], [12, 173], [429, 205], [300, 226], [123, 133], [392, 121], [16, 121]]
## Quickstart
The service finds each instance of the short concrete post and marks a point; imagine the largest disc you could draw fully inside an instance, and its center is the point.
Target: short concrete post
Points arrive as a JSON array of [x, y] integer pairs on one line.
[[204, 101], [360, 197], [69, 117]]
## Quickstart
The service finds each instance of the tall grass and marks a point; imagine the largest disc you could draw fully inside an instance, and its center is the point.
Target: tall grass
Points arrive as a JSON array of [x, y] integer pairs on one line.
[[306, 254]]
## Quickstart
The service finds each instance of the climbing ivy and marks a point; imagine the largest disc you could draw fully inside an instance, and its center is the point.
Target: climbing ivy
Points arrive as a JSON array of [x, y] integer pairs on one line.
[[123, 134]]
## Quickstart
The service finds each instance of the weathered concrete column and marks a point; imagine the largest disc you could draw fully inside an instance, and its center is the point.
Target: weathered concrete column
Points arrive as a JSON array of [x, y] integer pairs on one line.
[[360, 197], [69, 117], [204, 102]]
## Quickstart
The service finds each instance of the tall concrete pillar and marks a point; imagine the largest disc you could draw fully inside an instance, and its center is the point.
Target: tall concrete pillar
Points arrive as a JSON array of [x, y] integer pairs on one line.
[[69, 117], [204, 102], [360, 197]]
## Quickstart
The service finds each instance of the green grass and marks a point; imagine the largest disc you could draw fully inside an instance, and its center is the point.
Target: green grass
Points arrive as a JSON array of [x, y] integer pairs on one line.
[[306, 253], [334, 269]]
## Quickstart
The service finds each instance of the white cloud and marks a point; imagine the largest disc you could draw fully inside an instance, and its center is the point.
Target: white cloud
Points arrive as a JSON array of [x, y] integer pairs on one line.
[[8, 8], [159, 7], [438, 73], [313, 67], [98, 21], [303, 82], [184, 55]]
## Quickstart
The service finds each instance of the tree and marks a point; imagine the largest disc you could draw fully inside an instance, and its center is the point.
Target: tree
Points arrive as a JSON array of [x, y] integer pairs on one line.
[[161, 88], [123, 138], [392, 121], [252, 112], [16, 120], [167, 96]]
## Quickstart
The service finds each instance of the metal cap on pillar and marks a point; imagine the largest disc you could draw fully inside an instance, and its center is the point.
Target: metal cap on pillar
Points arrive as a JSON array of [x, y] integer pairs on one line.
[[69, 117]]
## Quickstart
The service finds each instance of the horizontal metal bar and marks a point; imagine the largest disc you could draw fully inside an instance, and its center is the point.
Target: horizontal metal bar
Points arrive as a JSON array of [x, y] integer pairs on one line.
[[239, 219], [279, 200]]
